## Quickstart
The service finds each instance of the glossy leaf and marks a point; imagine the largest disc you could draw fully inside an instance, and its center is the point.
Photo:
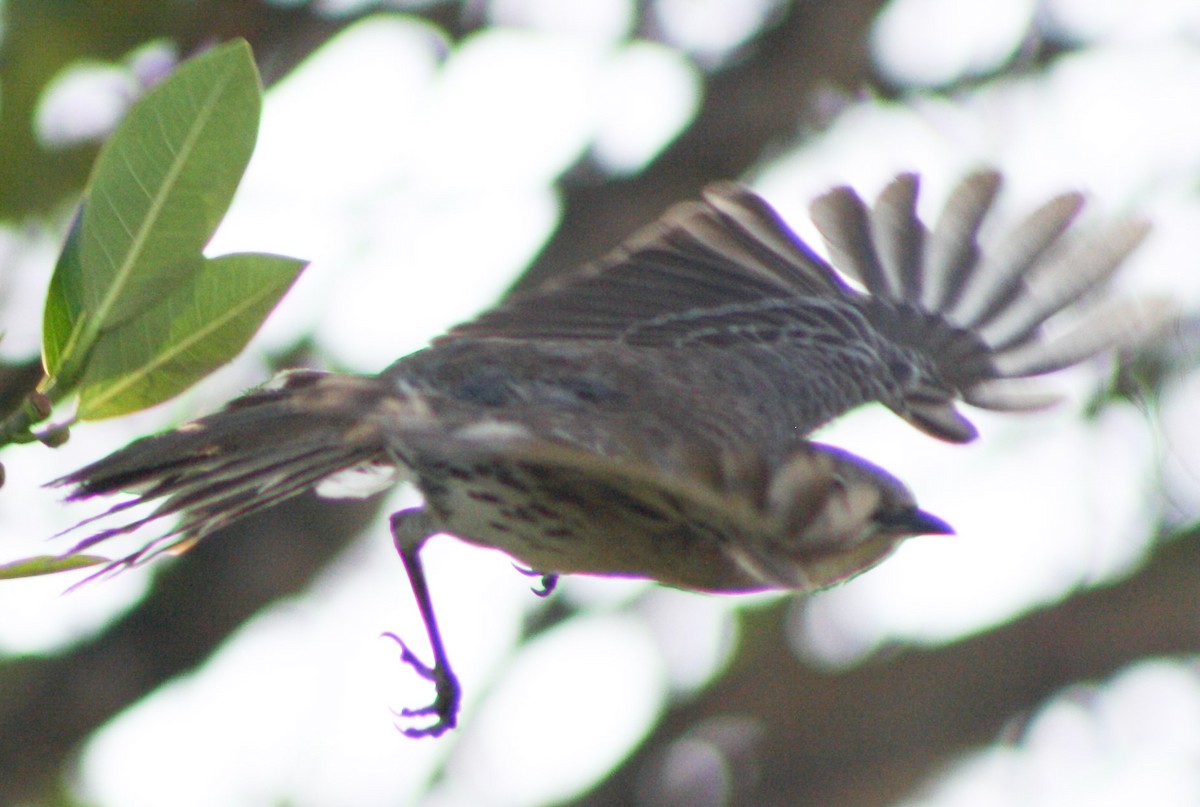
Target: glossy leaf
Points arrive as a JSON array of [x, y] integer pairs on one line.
[[213, 308], [63, 301], [158, 190]]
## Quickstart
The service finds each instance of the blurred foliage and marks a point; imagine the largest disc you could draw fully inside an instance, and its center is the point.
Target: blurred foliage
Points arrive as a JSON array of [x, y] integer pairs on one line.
[[41, 37]]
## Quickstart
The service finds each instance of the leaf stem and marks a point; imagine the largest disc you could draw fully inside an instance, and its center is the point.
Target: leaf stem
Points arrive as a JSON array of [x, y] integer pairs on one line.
[[17, 427]]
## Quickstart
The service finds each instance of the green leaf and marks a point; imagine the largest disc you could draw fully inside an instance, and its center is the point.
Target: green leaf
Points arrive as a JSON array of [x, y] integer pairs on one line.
[[63, 310], [214, 307], [158, 190], [48, 564]]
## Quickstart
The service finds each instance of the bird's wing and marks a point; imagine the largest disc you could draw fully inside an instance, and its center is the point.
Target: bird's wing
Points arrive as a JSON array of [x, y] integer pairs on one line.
[[985, 319], [729, 253]]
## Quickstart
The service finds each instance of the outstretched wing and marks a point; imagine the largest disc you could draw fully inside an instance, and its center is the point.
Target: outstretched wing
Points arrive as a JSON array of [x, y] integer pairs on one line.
[[729, 252], [973, 323], [986, 319]]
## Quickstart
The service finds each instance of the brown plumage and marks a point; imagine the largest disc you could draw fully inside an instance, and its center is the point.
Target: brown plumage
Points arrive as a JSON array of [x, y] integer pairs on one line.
[[648, 415]]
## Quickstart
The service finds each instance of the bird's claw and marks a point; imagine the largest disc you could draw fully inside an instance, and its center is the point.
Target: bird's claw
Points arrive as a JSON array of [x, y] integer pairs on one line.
[[410, 658], [446, 701], [547, 584]]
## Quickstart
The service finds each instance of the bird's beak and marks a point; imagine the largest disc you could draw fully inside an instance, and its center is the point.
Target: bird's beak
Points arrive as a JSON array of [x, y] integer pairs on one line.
[[921, 523]]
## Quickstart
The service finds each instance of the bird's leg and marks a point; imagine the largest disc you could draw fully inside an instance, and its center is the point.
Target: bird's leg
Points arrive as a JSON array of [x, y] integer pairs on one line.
[[546, 585], [410, 528]]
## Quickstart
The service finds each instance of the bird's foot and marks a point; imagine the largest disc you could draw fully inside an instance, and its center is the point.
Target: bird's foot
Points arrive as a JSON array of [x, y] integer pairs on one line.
[[548, 582], [446, 701]]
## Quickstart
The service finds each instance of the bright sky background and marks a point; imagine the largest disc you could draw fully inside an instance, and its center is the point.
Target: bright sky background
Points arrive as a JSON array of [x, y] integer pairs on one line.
[[420, 186]]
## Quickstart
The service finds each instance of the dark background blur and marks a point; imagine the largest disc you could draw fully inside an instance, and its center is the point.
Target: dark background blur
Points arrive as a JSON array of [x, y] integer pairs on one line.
[[769, 728]]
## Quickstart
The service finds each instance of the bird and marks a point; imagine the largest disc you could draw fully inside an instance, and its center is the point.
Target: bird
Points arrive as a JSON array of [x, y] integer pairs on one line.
[[650, 414]]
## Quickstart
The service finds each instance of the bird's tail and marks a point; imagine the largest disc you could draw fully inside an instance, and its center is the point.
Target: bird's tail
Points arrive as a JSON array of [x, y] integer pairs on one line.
[[986, 320], [269, 445]]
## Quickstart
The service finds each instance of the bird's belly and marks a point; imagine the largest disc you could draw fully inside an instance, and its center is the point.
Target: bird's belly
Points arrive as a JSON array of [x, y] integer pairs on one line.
[[558, 522]]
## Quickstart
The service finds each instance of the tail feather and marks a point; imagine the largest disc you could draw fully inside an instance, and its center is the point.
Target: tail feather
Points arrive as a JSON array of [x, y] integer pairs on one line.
[[267, 446]]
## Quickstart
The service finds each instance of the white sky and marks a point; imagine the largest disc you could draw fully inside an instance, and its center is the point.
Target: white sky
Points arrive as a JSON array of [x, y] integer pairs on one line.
[[419, 188]]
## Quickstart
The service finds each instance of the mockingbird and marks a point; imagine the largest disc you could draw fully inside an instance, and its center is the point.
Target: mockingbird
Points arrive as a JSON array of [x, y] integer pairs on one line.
[[647, 416]]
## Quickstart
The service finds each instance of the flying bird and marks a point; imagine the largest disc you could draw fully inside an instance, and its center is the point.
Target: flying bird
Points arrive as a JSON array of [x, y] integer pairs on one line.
[[648, 415]]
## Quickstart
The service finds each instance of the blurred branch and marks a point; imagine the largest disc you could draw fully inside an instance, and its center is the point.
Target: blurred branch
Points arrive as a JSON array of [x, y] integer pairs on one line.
[[874, 734], [16, 382]]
